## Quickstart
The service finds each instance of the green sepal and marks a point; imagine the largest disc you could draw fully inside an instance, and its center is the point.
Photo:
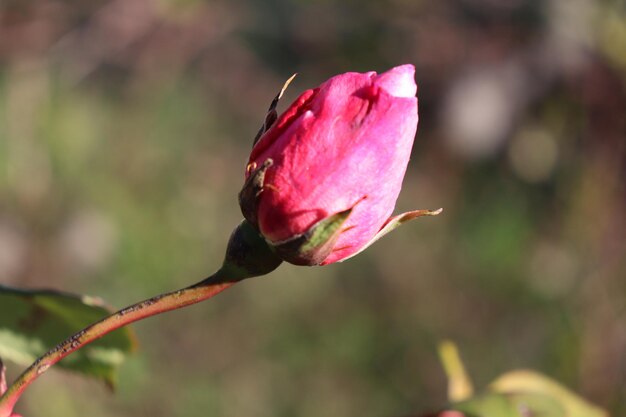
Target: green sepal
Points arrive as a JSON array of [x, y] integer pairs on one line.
[[394, 222], [272, 114], [248, 254], [314, 245], [251, 190]]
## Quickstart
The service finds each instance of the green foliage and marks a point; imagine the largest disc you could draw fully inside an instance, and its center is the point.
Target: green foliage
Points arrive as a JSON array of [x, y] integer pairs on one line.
[[530, 385], [33, 321], [518, 393], [513, 405]]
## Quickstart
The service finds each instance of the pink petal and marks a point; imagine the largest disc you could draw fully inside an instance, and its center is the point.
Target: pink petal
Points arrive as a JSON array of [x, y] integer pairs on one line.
[[398, 81]]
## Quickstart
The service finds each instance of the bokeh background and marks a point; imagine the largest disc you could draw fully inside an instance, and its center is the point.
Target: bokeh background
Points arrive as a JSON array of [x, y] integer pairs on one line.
[[124, 131]]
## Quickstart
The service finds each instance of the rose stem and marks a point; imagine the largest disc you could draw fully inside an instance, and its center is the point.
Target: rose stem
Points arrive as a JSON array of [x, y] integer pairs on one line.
[[152, 306]]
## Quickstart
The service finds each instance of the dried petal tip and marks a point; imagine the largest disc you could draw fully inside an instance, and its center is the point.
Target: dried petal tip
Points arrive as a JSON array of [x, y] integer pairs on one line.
[[430, 212], [282, 90]]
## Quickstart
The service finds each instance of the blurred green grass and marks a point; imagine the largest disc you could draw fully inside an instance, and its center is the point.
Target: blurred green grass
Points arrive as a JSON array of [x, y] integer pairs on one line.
[[124, 131]]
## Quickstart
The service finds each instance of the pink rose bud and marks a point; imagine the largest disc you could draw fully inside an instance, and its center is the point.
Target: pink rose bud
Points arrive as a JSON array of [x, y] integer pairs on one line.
[[323, 178]]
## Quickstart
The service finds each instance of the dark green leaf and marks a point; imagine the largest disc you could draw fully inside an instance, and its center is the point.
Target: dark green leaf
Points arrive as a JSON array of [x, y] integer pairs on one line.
[[34, 321]]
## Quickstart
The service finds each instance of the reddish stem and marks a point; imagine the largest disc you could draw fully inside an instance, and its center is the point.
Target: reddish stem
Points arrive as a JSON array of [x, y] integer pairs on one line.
[[141, 310]]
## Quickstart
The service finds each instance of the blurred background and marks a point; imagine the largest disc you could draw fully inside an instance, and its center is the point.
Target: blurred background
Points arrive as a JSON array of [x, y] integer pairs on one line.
[[124, 132]]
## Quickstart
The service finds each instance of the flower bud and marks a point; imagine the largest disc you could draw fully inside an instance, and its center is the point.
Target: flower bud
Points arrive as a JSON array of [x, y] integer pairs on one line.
[[323, 178]]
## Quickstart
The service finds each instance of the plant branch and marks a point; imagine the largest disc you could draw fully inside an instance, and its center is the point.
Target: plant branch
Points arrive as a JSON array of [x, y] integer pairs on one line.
[[247, 255], [141, 310]]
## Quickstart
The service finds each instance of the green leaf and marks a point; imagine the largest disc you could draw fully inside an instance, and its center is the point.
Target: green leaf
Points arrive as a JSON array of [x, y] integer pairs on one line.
[[530, 382], [511, 405], [34, 321], [536, 405], [490, 405]]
